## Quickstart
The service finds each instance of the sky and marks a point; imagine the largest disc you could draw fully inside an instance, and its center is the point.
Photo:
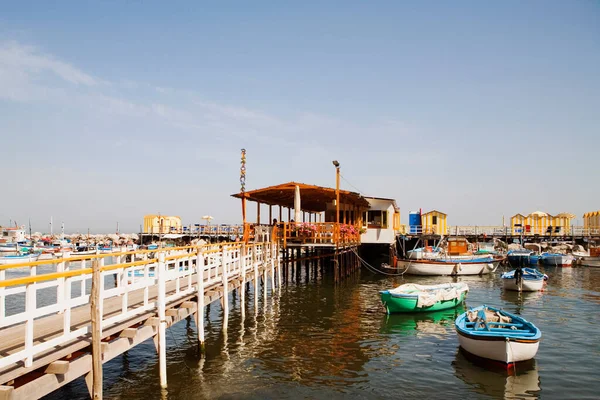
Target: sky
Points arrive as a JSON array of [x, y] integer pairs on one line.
[[111, 110]]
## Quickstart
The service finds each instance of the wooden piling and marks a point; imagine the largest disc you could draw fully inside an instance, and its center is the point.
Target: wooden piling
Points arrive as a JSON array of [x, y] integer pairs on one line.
[[199, 316], [162, 325], [96, 317]]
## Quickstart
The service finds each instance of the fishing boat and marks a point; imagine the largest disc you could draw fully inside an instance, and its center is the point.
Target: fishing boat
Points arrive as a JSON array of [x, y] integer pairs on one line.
[[557, 259], [519, 257], [498, 335], [15, 259], [532, 280], [477, 266], [411, 297], [590, 261]]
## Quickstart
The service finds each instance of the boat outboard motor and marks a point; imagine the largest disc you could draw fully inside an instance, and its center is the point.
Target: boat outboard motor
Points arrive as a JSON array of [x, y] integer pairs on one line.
[[518, 276]]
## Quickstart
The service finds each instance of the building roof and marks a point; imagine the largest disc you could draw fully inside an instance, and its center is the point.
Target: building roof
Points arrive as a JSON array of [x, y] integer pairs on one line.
[[161, 216], [539, 214], [313, 198], [565, 215], [591, 214], [518, 215], [435, 211], [396, 208]]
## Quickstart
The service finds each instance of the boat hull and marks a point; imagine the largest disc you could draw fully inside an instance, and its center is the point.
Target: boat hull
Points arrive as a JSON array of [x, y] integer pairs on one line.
[[17, 259], [394, 304], [557, 260], [499, 349], [435, 268], [527, 285], [590, 262]]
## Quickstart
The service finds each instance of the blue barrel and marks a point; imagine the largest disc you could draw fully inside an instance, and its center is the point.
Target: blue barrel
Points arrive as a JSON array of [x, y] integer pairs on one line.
[[414, 221]]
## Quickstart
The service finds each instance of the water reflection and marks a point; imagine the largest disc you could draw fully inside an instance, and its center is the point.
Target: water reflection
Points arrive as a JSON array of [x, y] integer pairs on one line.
[[521, 299], [436, 323], [522, 382]]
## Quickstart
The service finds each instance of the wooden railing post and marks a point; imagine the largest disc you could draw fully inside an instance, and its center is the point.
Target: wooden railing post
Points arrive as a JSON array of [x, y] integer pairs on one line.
[[200, 294], [162, 326], [96, 317], [30, 306]]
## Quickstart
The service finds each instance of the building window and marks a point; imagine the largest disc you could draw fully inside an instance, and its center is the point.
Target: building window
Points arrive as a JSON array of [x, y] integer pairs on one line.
[[434, 220], [376, 219]]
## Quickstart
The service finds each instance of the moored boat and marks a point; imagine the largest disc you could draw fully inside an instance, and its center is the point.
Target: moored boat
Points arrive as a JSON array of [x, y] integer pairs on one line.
[[557, 259], [519, 257], [478, 266], [590, 261], [498, 335], [532, 280], [15, 259], [411, 297]]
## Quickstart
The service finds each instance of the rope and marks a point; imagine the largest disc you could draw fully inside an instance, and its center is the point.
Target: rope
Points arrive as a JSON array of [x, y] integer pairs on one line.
[[374, 269]]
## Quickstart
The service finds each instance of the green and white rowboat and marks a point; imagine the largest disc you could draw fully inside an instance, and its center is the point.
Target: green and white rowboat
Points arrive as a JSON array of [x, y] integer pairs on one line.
[[411, 297]]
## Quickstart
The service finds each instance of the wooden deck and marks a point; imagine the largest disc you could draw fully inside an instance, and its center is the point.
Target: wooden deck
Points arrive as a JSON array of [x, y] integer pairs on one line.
[[130, 314]]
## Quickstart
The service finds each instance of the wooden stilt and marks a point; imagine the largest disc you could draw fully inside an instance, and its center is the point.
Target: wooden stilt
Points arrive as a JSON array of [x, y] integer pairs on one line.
[[243, 284], [96, 318], [225, 281], [255, 267], [199, 315], [162, 326]]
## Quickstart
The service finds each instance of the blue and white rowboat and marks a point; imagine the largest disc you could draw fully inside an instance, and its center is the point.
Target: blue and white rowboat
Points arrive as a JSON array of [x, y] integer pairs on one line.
[[532, 280], [495, 334]]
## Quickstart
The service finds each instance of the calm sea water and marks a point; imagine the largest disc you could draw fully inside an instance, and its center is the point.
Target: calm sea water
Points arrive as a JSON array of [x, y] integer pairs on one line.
[[320, 340]]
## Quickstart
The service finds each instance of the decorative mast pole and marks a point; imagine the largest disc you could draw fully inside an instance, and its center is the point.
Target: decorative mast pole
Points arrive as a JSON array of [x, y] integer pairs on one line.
[[243, 191]]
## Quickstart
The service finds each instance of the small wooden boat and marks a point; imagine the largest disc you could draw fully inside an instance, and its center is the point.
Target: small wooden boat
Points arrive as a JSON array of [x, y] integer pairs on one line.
[[557, 259], [4, 260], [495, 334], [590, 261], [532, 280], [478, 266], [411, 297]]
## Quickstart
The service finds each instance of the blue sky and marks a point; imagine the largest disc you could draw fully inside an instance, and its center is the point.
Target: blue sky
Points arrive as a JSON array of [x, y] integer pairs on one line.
[[111, 110]]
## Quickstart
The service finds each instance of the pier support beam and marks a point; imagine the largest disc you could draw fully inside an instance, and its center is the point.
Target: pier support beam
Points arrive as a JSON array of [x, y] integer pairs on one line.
[[199, 315], [242, 288], [225, 276], [96, 317], [255, 267], [162, 326]]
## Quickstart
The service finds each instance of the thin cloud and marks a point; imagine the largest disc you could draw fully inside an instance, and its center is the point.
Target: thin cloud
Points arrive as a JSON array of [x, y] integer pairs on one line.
[[30, 60]]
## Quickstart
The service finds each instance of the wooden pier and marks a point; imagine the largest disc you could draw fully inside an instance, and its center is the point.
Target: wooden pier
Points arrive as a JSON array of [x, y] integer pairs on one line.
[[46, 346]]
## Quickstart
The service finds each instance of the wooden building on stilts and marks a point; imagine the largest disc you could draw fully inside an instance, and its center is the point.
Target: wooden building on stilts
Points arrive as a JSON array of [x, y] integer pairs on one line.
[[312, 223]]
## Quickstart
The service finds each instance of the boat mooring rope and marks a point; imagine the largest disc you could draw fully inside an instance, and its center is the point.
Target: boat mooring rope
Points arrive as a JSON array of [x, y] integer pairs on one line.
[[374, 269]]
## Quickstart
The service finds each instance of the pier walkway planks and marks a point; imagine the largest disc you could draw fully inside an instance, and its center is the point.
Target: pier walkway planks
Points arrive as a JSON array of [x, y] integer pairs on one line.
[[70, 359]]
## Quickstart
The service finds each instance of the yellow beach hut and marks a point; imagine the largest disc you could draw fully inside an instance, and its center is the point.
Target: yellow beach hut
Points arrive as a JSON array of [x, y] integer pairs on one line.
[[434, 222], [591, 220], [162, 224]]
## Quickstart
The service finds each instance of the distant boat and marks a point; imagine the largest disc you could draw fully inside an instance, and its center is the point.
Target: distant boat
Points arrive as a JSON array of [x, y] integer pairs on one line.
[[590, 261], [4, 260], [476, 266], [532, 280], [498, 335], [411, 297], [557, 259]]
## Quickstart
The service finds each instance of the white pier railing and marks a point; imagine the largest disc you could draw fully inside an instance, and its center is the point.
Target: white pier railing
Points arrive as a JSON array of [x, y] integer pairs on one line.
[[44, 304]]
